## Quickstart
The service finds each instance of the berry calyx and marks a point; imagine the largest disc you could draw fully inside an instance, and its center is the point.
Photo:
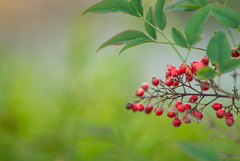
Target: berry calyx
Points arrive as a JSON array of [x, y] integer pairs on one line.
[[216, 106], [139, 92], [159, 111], [155, 81], [144, 86], [193, 98], [220, 113], [176, 122]]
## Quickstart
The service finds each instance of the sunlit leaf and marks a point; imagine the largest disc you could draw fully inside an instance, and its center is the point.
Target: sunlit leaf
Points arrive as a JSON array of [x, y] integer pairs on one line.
[[149, 17], [160, 15]]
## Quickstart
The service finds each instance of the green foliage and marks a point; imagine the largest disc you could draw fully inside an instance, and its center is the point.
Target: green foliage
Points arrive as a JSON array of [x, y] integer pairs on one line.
[[160, 15], [137, 5], [149, 17], [181, 5], [107, 6], [179, 37], [206, 73]]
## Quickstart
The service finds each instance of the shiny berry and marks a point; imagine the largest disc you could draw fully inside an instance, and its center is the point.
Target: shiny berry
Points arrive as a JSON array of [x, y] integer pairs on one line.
[[228, 114], [176, 122], [168, 74], [216, 106], [189, 71], [181, 108], [235, 54], [159, 111], [171, 112], [193, 98], [140, 107], [187, 106], [189, 78], [205, 60], [170, 67], [205, 86], [220, 113], [229, 121], [198, 66], [175, 83], [198, 115], [155, 81], [184, 66], [194, 62], [174, 73], [140, 92], [134, 107], [169, 81], [180, 71], [145, 86], [177, 103]]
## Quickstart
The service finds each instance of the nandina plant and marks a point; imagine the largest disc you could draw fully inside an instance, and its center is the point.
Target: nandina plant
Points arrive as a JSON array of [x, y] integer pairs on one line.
[[188, 88]]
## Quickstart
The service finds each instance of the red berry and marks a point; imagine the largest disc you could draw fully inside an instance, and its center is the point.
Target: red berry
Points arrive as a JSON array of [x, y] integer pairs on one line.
[[229, 121], [198, 66], [180, 71], [205, 86], [129, 106], [189, 71], [194, 62], [169, 81], [220, 113], [174, 73], [193, 98], [144, 86], [168, 74], [235, 54], [181, 108], [155, 81], [134, 107], [140, 107], [140, 92], [187, 106], [187, 119], [205, 60], [171, 112], [193, 111], [175, 83], [177, 103], [170, 67], [216, 106], [189, 78], [198, 115], [228, 114], [159, 111], [176, 122], [184, 66]]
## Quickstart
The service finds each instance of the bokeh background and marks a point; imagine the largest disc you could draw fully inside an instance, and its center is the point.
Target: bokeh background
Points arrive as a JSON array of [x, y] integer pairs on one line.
[[59, 102]]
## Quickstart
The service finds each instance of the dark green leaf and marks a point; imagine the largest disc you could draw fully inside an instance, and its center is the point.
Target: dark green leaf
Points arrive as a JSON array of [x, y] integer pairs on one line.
[[160, 15], [194, 25], [226, 16], [107, 6], [191, 6], [201, 2], [176, 6], [206, 73], [179, 37], [230, 65], [135, 43], [137, 5], [124, 38], [218, 50], [150, 30], [201, 152]]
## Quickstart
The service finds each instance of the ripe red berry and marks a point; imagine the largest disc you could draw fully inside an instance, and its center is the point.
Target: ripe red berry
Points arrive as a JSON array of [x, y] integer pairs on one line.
[[235, 54], [174, 73], [145, 86], [169, 81], [134, 107], [180, 71], [220, 113], [189, 71], [193, 98], [187, 119], [181, 108], [129, 106], [187, 106], [155, 81], [140, 107], [159, 111], [198, 66], [176, 122], [228, 114], [216, 106], [193, 111], [171, 112], [175, 83], [189, 78], [205, 60], [194, 62], [205, 86], [168, 74], [177, 103], [198, 115], [229, 121], [170, 67], [184, 66], [140, 92]]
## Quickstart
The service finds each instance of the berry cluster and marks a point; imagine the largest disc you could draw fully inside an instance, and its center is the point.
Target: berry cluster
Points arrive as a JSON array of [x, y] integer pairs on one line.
[[184, 99]]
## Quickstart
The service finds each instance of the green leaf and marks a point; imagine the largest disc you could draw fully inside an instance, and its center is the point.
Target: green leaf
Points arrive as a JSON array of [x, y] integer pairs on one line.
[[201, 2], [201, 152], [137, 5], [113, 6], [191, 6], [218, 50], [135, 43], [150, 30], [230, 65], [239, 28], [179, 37], [176, 6], [226, 16], [160, 15], [206, 73], [194, 25], [124, 38]]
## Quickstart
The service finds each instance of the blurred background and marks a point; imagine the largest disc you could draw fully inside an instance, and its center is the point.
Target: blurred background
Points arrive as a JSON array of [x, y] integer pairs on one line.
[[59, 102]]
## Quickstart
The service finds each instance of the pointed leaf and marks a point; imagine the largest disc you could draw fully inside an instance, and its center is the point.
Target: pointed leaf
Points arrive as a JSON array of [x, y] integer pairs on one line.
[[201, 2], [150, 30], [176, 6], [179, 37], [135, 43], [226, 16], [230, 65], [160, 15], [123, 38], [191, 6], [194, 25], [137, 5], [107, 6], [206, 73], [218, 50]]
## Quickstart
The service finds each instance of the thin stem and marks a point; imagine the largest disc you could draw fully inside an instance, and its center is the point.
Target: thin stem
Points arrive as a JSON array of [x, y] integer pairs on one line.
[[225, 3], [189, 50], [230, 33], [196, 48]]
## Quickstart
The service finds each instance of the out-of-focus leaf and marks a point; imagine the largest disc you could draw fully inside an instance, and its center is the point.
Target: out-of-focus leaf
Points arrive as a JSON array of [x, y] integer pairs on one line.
[[218, 50], [150, 30], [176, 6], [230, 65], [191, 6], [201, 2], [124, 38], [194, 25], [160, 15], [226, 16], [206, 73], [179, 37], [137, 5], [107, 6]]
